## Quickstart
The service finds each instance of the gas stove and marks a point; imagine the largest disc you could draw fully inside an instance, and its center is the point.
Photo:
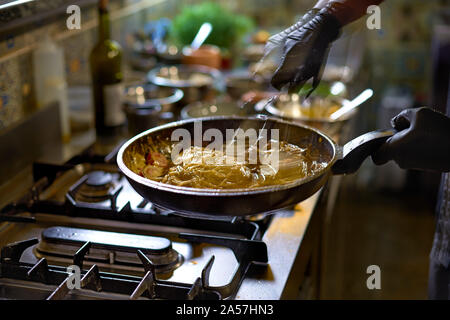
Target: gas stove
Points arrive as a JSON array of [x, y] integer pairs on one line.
[[85, 214]]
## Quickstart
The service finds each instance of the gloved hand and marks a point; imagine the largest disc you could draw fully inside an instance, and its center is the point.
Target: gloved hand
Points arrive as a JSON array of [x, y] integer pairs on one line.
[[422, 141], [305, 51], [274, 45]]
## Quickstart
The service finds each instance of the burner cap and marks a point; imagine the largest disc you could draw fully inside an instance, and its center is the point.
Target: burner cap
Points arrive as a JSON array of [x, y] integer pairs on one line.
[[98, 179], [98, 186]]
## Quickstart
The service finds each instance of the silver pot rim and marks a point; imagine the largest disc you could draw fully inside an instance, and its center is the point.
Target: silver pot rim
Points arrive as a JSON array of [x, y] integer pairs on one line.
[[164, 82], [176, 96]]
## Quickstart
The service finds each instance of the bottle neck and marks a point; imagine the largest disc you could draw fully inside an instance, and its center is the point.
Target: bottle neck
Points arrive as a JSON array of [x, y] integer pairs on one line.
[[104, 32]]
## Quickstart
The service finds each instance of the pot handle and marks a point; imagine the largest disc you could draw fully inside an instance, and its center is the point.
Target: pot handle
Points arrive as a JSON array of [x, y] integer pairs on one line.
[[357, 150]]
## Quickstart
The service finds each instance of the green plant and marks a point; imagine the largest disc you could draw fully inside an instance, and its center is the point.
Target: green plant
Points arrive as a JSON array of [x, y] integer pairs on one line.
[[228, 27]]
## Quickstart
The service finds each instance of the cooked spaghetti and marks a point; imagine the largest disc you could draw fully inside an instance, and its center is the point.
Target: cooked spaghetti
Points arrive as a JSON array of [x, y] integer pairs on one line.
[[202, 167]]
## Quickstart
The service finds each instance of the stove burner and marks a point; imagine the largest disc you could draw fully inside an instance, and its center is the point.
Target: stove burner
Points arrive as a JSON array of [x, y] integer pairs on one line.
[[109, 247], [99, 179], [97, 187], [20, 280]]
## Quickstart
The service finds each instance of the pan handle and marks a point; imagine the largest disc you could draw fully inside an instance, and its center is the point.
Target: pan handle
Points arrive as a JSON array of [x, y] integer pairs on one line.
[[357, 150]]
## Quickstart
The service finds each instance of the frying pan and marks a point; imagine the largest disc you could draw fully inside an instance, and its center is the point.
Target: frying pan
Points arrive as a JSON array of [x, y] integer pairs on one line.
[[242, 202]]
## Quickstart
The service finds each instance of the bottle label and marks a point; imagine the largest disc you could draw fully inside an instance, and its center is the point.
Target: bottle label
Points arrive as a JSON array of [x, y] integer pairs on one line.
[[113, 101]]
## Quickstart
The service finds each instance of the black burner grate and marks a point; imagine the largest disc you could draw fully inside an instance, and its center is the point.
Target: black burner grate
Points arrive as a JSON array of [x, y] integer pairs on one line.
[[244, 240]]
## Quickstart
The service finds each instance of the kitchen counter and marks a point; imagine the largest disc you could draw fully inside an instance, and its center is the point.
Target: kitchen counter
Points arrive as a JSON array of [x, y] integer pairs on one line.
[[291, 241]]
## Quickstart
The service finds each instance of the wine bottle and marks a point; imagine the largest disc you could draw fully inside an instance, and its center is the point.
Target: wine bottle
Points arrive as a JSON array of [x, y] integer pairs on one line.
[[107, 77]]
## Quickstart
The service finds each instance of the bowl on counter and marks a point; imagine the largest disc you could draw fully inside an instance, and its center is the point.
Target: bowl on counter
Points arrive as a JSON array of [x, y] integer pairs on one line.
[[206, 55], [198, 83]]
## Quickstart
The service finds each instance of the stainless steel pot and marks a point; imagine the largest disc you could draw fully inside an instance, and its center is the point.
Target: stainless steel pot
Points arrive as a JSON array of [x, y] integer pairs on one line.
[[286, 107], [198, 83], [148, 95], [147, 106], [143, 118]]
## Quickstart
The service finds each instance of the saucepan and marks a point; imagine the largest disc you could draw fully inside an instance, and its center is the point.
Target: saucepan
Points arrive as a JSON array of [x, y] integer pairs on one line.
[[242, 202], [197, 82]]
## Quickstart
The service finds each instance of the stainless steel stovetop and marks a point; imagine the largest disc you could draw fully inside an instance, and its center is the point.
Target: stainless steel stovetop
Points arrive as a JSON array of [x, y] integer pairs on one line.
[[88, 215]]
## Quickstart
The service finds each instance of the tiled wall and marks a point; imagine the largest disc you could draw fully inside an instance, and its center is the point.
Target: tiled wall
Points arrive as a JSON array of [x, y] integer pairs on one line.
[[16, 78], [14, 89], [400, 52]]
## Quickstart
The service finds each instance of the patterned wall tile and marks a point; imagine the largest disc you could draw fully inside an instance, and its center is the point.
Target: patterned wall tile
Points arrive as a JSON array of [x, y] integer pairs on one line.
[[11, 42], [10, 93], [76, 51]]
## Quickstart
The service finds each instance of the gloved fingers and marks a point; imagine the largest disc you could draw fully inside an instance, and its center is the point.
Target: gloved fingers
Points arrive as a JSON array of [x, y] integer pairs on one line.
[[281, 76], [295, 87], [297, 82], [316, 79], [395, 148], [302, 75], [384, 154], [391, 149], [292, 69], [403, 120], [305, 71], [274, 43], [273, 51], [304, 51], [315, 72], [277, 40], [295, 71], [286, 73], [314, 86]]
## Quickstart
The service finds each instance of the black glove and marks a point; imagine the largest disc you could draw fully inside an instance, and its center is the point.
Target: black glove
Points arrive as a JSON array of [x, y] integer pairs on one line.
[[423, 141], [276, 42], [305, 51]]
